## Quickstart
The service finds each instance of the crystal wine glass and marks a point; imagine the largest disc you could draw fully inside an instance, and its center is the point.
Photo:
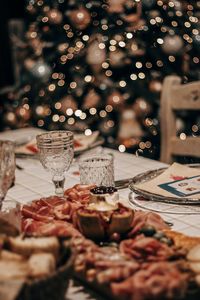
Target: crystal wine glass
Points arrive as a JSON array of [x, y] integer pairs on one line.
[[56, 152], [7, 167]]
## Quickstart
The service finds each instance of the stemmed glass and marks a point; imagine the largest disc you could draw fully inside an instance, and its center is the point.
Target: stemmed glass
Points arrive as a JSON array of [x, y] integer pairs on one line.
[[7, 167], [56, 152]]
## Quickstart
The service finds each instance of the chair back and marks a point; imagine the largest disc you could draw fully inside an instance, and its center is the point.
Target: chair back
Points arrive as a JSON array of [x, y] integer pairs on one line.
[[176, 97]]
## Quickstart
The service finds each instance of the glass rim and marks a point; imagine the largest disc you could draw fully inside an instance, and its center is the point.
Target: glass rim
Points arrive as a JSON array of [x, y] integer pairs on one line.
[[46, 136], [103, 156], [7, 142]]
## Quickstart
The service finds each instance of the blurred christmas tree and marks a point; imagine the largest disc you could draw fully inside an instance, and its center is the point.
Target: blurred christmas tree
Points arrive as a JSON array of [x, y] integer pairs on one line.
[[99, 65]]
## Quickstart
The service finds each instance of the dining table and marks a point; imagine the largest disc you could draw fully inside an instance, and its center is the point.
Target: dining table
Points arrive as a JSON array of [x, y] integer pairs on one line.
[[32, 182]]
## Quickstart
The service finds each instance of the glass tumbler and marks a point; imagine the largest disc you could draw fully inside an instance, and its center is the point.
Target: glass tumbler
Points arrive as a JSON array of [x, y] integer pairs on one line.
[[7, 167], [56, 152], [97, 169]]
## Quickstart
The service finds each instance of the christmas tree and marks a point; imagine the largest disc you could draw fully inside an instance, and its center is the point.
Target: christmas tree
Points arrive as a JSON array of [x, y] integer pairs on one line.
[[99, 65]]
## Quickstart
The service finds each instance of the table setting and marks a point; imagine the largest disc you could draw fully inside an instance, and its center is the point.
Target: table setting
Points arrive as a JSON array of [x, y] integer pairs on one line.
[[100, 224]]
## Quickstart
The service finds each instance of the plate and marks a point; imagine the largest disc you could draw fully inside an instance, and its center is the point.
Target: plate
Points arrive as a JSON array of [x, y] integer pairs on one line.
[[149, 175]]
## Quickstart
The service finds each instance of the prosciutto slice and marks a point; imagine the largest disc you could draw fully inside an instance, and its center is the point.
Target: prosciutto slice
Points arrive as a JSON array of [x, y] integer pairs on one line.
[[142, 218], [160, 280], [146, 249], [56, 228]]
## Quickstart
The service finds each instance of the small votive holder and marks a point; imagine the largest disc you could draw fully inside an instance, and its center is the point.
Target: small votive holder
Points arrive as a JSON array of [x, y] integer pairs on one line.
[[97, 169]]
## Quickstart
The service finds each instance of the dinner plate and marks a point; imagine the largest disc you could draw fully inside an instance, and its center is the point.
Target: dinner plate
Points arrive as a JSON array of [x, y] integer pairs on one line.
[[149, 175]]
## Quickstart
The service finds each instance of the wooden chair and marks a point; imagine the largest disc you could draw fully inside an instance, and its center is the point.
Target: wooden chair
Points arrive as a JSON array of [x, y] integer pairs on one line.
[[176, 96]]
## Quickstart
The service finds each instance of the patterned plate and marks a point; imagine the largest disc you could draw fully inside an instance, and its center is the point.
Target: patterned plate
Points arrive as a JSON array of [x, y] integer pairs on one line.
[[149, 175]]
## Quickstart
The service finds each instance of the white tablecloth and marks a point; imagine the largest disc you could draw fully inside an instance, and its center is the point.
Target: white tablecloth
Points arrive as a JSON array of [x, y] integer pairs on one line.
[[33, 182]]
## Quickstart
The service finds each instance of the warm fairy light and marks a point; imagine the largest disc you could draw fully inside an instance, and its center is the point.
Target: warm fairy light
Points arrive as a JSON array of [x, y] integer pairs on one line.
[[55, 118], [160, 41], [108, 73], [58, 105], [113, 42], [40, 123], [171, 58], [112, 48], [195, 128], [109, 108], [102, 46], [78, 113], [138, 65], [92, 110], [183, 136], [122, 83], [69, 111], [88, 78], [88, 131], [105, 65], [73, 85], [129, 35], [83, 116], [52, 87], [85, 38], [10, 116], [71, 121], [122, 44], [62, 119], [103, 113], [55, 76], [61, 82], [133, 76], [141, 75], [122, 148]]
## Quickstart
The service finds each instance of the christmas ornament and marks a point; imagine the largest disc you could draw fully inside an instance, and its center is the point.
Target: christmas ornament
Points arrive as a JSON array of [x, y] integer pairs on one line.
[[172, 44], [38, 69], [155, 86], [115, 99], [95, 55], [68, 102], [141, 107], [129, 125], [80, 18], [116, 6], [116, 58], [92, 99], [54, 16]]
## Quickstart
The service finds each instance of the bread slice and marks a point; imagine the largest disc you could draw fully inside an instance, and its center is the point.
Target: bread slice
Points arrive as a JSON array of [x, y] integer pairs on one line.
[[41, 264], [13, 269], [181, 240], [8, 255], [30, 245]]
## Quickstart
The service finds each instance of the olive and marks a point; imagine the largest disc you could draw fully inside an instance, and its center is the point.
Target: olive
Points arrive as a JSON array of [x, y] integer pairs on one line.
[[167, 241], [159, 235], [148, 230]]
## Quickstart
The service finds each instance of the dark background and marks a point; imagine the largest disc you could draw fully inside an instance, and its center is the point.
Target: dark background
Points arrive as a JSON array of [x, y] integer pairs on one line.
[[9, 9]]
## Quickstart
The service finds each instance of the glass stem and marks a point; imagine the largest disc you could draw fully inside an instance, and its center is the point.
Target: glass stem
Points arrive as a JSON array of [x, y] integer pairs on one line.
[[59, 184]]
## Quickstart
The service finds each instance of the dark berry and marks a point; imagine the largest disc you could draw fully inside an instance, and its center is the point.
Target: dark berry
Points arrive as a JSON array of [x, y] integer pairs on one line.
[[103, 190], [148, 230]]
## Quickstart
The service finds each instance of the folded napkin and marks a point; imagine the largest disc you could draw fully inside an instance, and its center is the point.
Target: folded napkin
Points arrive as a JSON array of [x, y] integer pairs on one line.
[[81, 143], [177, 181]]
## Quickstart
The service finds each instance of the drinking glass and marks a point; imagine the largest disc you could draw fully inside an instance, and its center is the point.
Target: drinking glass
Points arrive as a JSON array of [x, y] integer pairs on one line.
[[56, 152], [97, 169], [7, 167]]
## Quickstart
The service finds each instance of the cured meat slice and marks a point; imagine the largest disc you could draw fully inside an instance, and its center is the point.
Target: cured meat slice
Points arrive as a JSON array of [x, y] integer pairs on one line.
[[146, 249], [142, 219], [55, 228], [160, 280]]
